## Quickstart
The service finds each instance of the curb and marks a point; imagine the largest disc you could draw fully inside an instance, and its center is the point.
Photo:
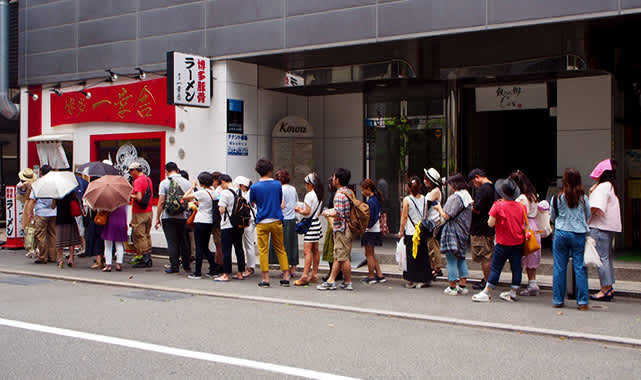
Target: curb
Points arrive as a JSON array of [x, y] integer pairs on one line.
[[561, 334]]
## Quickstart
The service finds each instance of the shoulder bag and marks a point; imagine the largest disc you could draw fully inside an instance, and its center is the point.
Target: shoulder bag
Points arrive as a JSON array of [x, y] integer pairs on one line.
[[530, 245], [303, 226]]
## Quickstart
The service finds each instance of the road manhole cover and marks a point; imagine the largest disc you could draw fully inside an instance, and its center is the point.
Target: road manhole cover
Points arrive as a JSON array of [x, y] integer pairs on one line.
[[22, 280], [153, 295]]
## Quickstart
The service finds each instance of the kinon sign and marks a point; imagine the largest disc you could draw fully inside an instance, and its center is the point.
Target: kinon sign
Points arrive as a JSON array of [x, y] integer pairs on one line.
[[292, 126]]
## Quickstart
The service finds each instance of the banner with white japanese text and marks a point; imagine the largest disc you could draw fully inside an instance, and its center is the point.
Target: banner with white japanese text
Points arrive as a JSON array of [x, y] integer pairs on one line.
[[189, 80]]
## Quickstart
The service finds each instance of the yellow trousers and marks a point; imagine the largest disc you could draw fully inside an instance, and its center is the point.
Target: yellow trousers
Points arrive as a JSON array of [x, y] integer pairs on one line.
[[263, 232]]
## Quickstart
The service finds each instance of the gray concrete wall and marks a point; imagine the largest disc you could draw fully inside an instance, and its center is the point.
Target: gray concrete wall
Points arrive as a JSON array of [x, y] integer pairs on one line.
[[77, 39]]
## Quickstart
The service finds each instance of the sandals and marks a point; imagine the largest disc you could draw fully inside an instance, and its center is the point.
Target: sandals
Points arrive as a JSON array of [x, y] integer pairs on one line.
[[301, 282], [238, 277], [118, 268], [107, 268], [249, 272], [96, 266], [221, 279], [263, 284]]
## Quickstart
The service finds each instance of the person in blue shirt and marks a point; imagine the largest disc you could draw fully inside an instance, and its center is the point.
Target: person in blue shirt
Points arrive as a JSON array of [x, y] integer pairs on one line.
[[570, 213], [267, 195]]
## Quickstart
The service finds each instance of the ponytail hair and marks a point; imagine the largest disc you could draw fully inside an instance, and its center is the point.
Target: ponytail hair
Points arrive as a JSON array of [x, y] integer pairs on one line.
[[314, 180], [369, 185]]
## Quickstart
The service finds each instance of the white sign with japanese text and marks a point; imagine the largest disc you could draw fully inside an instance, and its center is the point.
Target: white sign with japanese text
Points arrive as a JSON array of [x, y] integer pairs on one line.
[[188, 80], [512, 97], [14, 210], [237, 145]]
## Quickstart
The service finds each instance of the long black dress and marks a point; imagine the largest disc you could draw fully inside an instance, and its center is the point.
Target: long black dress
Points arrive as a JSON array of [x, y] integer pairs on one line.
[[94, 245]]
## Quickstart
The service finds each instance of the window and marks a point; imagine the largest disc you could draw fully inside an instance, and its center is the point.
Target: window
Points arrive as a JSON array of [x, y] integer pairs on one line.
[[122, 149]]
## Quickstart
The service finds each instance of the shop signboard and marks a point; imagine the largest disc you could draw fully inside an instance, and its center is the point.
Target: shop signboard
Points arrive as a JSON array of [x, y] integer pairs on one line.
[[14, 209], [237, 145], [189, 80], [235, 116], [140, 102], [512, 97], [292, 149]]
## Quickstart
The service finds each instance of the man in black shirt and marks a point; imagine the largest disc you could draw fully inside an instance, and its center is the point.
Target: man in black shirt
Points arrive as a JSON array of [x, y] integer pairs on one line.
[[482, 235]]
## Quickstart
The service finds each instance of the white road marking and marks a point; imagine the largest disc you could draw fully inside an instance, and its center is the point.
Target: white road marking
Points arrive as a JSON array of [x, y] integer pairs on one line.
[[228, 360]]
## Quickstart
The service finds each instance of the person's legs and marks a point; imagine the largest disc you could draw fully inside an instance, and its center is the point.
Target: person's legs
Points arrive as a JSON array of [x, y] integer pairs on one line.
[[560, 252], [183, 243], [219, 247], [371, 261], [276, 232], [120, 252], [170, 228], [201, 237], [515, 255], [498, 262], [315, 260], [262, 241], [108, 253], [237, 239], [51, 238], [462, 271], [452, 269], [576, 250], [41, 237], [249, 239], [307, 249], [342, 252], [434, 250], [603, 241], [226, 238]]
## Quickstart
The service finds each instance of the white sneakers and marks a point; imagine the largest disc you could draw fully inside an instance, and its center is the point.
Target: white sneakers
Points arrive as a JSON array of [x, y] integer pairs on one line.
[[481, 297], [456, 291], [509, 296]]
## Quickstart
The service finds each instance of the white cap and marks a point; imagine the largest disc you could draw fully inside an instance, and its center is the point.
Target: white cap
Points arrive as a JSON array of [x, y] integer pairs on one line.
[[241, 180], [134, 165]]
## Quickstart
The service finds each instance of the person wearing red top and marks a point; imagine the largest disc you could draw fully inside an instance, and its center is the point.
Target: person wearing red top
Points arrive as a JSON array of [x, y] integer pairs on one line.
[[141, 214], [508, 219]]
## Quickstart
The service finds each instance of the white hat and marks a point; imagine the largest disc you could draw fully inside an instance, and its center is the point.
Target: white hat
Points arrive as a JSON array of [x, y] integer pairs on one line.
[[241, 180], [433, 175], [134, 165]]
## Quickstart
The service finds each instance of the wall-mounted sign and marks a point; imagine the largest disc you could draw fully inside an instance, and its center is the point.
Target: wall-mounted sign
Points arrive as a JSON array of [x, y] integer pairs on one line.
[[235, 116], [237, 145], [137, 103], [512, 97], [293, 149], [292, 126], [189, 81]]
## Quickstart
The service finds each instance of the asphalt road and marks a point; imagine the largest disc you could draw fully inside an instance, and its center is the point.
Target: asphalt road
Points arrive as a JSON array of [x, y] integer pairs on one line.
[[303, 338]]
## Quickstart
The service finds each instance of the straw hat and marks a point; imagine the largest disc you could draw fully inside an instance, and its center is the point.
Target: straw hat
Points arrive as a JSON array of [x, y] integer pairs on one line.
[[27, 175], [433, 175]]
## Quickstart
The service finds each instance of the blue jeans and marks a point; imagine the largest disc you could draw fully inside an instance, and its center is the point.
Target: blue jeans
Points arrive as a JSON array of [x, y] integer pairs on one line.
[[456, 268], [603, 241], [503, 253], [568, 244]]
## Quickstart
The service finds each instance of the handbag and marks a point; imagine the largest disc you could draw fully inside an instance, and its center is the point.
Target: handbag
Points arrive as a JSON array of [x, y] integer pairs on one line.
[[190, 220], [303, 226], [531, 245], [29, 238], [101, 218], [74, 206], [590, 254]]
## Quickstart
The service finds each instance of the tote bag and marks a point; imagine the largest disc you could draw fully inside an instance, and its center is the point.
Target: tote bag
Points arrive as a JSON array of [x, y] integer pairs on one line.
[[531, 245]]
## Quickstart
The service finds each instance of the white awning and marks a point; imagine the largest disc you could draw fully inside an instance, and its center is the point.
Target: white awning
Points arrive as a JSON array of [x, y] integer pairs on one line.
[[53, 138]]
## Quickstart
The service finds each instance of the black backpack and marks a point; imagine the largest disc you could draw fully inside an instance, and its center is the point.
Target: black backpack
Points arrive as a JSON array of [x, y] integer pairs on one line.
[[241, 212]]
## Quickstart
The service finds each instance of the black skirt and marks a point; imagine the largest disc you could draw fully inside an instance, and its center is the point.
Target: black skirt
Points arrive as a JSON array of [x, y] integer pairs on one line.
[[372, 239], [94, 245], [419, 268]]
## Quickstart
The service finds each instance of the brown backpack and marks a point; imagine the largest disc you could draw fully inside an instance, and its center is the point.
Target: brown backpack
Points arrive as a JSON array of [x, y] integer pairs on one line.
[[359, 215]]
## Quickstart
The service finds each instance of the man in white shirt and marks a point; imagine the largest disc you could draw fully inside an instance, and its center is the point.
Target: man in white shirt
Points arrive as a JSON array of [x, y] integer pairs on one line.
[[173, 225], [230, 235]]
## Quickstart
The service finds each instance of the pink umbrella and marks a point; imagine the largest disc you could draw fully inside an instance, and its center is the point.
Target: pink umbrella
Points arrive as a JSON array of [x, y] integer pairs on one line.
[[108, 193]]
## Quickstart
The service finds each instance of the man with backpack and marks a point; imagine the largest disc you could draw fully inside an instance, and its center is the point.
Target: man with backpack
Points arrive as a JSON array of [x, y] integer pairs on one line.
[[170, 212], [231, 206], [342, 232], [141, 214]]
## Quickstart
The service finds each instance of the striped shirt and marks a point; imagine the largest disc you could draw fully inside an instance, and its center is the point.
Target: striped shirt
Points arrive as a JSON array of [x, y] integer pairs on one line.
[[342, 206]]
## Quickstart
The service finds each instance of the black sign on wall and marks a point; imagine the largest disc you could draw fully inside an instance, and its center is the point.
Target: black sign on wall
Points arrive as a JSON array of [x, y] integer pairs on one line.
[[235, 116]]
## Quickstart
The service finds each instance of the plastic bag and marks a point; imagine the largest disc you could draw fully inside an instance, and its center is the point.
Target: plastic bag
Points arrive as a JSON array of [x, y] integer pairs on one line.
[[590, 254], [29, 238], [401, 256], [543, 219]]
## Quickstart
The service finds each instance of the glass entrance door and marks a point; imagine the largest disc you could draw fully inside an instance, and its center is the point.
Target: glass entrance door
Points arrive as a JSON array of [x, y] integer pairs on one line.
[[422, 120]]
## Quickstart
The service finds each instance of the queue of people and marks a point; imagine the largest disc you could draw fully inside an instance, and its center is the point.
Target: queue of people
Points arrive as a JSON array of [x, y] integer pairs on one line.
[[261, 223]]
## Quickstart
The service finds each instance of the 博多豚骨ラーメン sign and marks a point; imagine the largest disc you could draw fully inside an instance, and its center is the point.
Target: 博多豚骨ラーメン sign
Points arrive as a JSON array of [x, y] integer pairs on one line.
[[292, 126], [143, 102]]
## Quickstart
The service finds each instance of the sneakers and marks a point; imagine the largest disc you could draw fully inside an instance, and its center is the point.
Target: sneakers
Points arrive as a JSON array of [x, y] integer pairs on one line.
[[346, 286], [461, 290], [530, 291], [508, 296], [451, 291], [169, 270], [369, 280], [481, 297], [327, 286], [481, 285], [381, 280], [195, 276]]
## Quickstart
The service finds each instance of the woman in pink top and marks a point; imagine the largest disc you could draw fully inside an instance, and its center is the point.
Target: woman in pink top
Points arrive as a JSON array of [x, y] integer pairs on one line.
[[605, 220]]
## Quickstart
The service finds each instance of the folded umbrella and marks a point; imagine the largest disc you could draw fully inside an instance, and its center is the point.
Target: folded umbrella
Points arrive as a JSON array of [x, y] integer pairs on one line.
[[108, 193], [97, 169], [54, 185]]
